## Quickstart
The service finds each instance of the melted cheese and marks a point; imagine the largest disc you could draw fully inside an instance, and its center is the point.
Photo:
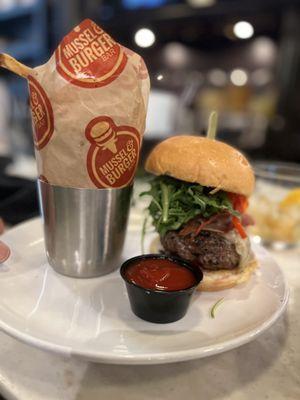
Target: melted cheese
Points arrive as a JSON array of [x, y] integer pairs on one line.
[[242, 246]]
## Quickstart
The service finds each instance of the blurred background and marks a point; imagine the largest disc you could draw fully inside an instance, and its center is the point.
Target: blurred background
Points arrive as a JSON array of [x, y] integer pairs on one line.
[[239, 57]]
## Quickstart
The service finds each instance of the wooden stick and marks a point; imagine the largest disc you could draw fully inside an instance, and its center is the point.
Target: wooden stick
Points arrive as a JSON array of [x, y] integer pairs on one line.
[[15, 66], [212, 125]]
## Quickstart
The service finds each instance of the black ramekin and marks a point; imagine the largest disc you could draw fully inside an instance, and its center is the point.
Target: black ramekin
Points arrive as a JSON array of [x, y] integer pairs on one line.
[[159, 306]]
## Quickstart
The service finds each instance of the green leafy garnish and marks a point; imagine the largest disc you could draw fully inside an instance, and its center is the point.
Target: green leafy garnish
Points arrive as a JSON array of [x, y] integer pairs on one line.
[[215, 306], [174, 202]]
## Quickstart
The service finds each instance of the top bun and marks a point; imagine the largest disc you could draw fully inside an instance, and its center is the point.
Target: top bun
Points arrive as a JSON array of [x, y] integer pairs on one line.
[[205, 161]]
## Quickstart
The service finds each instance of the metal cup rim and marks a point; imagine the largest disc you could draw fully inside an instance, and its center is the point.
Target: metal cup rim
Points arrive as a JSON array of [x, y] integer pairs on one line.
[[41, 182]]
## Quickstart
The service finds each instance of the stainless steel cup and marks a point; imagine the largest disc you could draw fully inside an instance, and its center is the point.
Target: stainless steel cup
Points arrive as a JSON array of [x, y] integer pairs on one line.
[[84, 228]]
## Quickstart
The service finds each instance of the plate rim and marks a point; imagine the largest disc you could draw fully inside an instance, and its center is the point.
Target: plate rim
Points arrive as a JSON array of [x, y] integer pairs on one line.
[[154, 358]]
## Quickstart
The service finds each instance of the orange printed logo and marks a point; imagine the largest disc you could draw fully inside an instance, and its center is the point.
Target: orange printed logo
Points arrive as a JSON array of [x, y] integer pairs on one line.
[[114, 152], [42, 114], [89, 57]]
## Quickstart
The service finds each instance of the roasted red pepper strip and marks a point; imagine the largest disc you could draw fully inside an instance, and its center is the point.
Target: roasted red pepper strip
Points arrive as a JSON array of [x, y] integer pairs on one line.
[[239, 227], [239, 202]]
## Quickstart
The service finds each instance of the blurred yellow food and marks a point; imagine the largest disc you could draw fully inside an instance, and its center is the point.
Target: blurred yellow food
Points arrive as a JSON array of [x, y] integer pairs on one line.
[[274, 222], [292, 198]]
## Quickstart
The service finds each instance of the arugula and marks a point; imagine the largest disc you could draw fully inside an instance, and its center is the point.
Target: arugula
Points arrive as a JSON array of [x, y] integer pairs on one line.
[[174, 202]]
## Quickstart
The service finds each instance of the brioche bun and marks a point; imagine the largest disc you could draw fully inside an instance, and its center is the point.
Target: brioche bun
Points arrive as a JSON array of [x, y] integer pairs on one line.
[[225, 279], [205, 161], [218, 280]]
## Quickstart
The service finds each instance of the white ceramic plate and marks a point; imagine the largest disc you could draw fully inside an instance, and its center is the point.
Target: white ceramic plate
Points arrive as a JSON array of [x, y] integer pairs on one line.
[[92, 318]]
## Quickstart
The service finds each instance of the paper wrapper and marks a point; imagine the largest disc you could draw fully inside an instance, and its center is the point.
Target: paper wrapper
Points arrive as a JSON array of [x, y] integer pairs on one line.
[[88, 106]]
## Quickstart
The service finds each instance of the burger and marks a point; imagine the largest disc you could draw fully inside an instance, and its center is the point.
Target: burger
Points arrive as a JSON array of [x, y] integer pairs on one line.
[[199, 200]]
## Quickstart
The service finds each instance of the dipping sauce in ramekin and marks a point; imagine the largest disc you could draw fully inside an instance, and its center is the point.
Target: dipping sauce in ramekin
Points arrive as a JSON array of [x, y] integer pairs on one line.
[[159, 287], [160, 274]]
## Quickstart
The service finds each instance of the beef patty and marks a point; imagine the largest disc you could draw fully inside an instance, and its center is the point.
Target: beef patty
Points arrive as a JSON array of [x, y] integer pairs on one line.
[[209, 250]]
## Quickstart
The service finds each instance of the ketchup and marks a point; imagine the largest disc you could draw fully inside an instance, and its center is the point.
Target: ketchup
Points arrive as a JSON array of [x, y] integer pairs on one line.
[[160, 274]]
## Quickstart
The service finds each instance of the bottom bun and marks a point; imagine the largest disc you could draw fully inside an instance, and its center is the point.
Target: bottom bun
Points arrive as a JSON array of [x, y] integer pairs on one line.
[[225, 279], [217, 280]]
